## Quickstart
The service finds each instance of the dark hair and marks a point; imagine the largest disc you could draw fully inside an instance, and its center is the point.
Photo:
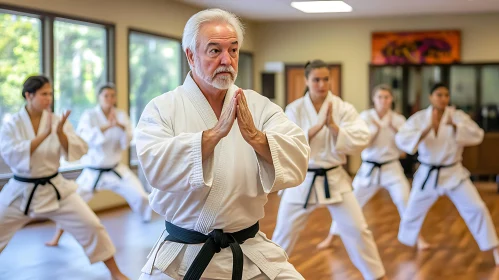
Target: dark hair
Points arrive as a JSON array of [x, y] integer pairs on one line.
[[106, 86], [437, 85], [382, 87], [311, 65], [34, 83]]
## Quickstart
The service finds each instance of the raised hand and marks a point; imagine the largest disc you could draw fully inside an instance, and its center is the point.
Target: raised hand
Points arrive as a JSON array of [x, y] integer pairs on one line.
[[245, 119], [227, 118], [112, 117], [323, 116], [63, 120], [329, 119], [211, 137], [63, 139], [390, 123], [257, 139]]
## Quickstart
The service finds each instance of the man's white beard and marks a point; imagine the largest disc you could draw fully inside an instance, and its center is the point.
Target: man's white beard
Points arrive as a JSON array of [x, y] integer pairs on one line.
[[217, 81]]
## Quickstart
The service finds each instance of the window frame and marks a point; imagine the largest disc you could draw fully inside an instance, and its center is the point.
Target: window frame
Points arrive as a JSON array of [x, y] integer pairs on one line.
[[445, 78], [48, 19]]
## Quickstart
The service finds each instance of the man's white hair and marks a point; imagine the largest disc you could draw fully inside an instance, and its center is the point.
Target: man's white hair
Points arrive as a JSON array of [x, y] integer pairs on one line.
[[191, 30]]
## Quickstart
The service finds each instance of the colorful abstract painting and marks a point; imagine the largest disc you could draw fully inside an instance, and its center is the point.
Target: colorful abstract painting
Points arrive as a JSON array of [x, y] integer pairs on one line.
[[425, 47]]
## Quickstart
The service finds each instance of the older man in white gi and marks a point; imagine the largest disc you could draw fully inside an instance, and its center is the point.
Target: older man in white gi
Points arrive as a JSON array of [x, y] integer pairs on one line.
[[212, 153]]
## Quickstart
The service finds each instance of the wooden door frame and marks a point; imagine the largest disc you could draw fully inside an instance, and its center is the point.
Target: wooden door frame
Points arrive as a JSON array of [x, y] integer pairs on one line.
[[301, 65]]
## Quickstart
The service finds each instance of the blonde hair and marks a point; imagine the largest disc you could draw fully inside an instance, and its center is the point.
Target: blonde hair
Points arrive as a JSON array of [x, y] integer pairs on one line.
[[382, 87]]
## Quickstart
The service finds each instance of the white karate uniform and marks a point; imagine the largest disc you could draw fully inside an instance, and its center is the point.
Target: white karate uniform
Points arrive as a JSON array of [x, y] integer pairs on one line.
[[446, 148], [329, 151], [105, 151], [390, 176], [226, 191], [70, 212]]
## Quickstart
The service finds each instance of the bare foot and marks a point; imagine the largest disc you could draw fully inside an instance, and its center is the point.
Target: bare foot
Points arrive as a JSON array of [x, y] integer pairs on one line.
[[52, 243], [423, 245], [326, 243], [383, 278], [55, 240], [495, 252], [115, 271]]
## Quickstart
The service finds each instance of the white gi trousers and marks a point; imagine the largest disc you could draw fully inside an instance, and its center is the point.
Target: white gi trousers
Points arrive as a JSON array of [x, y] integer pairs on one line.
[[467, 201], [352, 227], [73, 215]]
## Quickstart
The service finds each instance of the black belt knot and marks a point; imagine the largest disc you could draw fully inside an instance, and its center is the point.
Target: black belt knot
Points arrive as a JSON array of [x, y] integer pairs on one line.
[[38, 182], [377, 165], [319, 172], [433, 168], [221, 239], [214, 242], [101, 171]]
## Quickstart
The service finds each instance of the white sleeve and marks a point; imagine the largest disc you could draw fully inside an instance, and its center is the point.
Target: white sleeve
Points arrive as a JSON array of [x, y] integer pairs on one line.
[[373, 129], [126, 136], [171, 163], [354, 133], [91, 134], [77, 147], [289, 149], [468, 133], [408, 136], [15, 152]]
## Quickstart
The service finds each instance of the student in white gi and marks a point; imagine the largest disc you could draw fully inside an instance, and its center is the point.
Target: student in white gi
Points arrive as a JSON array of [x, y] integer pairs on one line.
[[439, 135], [380, 167], [31, 144], [212, 153], [334, 130], [108, 133]]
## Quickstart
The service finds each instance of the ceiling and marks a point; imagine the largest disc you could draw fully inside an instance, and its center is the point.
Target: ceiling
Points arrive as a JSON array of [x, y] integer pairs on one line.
[[274, 10]]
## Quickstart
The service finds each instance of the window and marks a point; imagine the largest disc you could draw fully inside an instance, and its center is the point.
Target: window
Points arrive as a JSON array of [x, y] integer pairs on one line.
[[77, 55], [80, 66], [473, 88], [155, 67], [489, 112], [463, 85], [20, 56]]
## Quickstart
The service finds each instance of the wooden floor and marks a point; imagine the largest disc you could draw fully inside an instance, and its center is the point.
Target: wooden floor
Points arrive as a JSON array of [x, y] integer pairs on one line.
[[456, 256]]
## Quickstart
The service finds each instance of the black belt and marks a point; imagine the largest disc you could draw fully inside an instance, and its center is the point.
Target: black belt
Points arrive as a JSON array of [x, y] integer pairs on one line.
[[319, 172], [37, 182], [437, 168], [377, 165], [102, 170], [213, 243]]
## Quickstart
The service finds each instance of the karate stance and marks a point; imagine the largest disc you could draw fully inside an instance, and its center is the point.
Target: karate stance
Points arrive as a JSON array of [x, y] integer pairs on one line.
[[380, 167], [439, 135], [108, 133], [212, 153], [31, 144], [333, 129]]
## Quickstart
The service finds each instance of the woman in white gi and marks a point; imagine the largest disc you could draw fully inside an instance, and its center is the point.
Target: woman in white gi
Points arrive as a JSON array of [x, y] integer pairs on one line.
[[439, 135], [31, 144], [380, 167], [108, 133], [334, 129]]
